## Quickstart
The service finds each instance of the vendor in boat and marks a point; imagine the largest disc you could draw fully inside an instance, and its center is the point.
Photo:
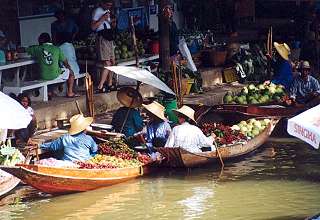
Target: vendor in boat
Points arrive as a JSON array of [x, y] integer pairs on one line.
[[282, 66], [158, 128], [76, 145], [127, 119], [186, 135], [305, 89]]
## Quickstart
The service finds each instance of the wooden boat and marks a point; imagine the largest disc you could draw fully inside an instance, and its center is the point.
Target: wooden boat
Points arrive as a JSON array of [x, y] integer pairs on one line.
[[178, 157], [252, 110], [56, 180], [7, 183]]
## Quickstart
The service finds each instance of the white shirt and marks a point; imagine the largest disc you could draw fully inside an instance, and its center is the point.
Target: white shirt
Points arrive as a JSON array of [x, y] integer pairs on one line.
[[97, 15], [189, 137], [30, 111], [70, 54]]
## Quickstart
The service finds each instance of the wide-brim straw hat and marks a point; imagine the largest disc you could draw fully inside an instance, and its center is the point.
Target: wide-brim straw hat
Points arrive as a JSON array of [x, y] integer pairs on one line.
[[129, 97], [156, 109], [305, 65], [79, 123], [283, 50], [186, 111]]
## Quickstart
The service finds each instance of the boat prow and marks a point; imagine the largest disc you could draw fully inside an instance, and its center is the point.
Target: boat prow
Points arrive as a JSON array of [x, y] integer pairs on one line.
[[7, 183], [178, 157], [56, 180]]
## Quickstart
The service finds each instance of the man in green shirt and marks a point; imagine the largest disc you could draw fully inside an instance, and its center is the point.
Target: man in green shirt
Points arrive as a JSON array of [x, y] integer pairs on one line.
[[49, 58]]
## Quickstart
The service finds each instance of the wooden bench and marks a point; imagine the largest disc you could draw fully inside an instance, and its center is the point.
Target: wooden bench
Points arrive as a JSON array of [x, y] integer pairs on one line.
[[38, 84]]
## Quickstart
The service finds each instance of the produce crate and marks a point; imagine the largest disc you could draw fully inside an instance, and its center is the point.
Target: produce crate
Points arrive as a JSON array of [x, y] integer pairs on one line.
[[230, 75]]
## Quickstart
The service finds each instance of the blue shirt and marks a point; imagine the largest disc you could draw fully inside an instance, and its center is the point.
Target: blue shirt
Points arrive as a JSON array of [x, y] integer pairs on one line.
[[159, 130], [70, 54], [133, 124], [68, 26], [283, 74], [77, 147], [300, 89]]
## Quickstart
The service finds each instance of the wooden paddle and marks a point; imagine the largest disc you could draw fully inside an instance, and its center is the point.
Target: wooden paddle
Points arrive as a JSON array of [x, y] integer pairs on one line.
[[220, 157]]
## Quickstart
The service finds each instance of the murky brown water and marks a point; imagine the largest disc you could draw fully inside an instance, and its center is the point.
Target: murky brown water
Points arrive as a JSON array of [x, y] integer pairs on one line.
[[280, 181]]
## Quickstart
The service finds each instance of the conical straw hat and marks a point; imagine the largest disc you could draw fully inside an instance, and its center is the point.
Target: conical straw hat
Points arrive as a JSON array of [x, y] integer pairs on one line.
[[129, 97], [187, 111], [283, 50], [157, 109], [79, 123]]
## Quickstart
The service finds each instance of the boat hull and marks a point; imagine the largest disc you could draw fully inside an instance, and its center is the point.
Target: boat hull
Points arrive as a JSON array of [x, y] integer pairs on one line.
[[178, 157], [66, 180]]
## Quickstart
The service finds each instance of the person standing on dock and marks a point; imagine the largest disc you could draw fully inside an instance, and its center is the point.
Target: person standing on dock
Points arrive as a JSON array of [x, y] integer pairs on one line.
[[104, 24], [186, 135]]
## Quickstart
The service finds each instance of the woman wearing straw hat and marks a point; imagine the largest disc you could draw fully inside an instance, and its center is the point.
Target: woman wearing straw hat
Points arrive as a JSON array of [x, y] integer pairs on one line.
[[282, 66], [158, 129], [76, 145], [127, 119], [186, 135]]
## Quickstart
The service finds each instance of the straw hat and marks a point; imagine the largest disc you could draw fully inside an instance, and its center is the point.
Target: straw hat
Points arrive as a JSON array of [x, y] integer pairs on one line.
[[283, 50], [79, 123], [305, 65], [187, 111], [157, 109], [129, 97]]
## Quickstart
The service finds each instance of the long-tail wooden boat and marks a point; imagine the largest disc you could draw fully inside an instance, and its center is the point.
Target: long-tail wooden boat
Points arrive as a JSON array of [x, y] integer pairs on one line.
[[7, 183], [56, 180], [251, 110], [178, 157]]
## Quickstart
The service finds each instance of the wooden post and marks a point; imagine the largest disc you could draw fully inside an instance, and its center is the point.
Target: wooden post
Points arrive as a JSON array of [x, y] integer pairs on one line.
[[134, 41], [164, 37]]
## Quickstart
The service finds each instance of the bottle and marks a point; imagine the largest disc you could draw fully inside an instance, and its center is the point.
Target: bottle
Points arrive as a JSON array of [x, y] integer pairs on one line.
[[14, 55], [8, 54]]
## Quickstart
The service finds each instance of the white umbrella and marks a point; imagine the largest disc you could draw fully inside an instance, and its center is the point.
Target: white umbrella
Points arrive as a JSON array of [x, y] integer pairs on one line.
[[306, 126], [141, 75], [12, 114]]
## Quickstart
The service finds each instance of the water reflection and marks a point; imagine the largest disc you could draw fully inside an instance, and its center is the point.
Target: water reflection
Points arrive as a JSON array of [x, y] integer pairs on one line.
[[196, 205]]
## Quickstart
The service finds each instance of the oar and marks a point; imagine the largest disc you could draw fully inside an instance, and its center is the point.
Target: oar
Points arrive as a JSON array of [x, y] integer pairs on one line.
[[78, 107], [221, 160]]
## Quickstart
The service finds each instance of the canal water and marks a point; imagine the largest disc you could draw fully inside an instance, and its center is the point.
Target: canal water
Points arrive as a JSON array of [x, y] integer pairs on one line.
[[279, 182]]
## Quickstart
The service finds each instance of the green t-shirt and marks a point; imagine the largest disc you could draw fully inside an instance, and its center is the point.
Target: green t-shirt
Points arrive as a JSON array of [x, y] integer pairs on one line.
[[48, 57]]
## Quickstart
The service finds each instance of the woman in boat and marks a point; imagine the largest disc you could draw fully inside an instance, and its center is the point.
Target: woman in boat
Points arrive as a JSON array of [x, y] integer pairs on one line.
[[127, 119], [76, 145], [186, 135], [158, 128], [282, 66]]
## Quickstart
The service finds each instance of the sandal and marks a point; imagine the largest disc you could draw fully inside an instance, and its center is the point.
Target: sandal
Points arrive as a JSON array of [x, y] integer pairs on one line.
[[103, 90], [73, 96]]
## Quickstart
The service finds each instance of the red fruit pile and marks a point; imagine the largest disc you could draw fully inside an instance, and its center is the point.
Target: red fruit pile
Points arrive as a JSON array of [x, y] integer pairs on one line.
[[144, 158], [224, 134], [120, 149], [88, 165]]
